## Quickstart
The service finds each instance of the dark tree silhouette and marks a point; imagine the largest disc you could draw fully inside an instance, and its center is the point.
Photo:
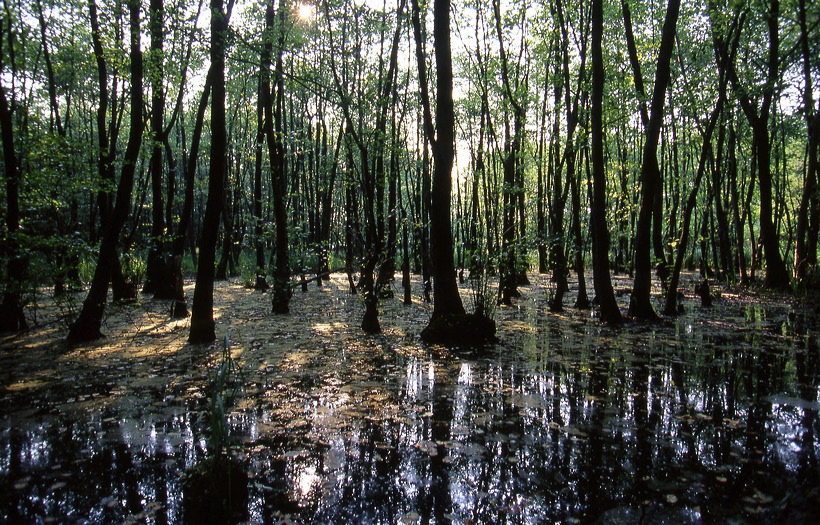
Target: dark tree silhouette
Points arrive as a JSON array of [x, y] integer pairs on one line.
[[87, 325], [449, 322], [640, 306], [610, 313], [203, 326], [12, 318]]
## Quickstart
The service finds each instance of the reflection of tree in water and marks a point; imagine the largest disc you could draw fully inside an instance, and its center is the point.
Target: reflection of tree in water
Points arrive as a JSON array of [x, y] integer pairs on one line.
[[567, 421]]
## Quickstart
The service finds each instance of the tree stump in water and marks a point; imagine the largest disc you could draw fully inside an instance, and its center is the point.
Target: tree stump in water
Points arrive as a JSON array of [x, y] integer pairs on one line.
[[215, 490], [461, 329], [370, 322], [705, 294]]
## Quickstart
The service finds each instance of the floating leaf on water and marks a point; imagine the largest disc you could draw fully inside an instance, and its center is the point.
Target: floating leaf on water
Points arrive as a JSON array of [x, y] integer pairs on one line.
[[110, 502], [22, 483]]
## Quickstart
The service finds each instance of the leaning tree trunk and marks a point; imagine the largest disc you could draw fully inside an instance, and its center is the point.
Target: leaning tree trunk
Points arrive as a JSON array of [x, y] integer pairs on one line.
[[671, 304], [203, 326], [88, 323], [640, 306]]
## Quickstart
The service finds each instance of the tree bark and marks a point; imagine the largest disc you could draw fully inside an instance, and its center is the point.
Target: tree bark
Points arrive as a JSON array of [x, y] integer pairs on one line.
[[640, 306], [203, 326], [12, 316], [610, 313], [87, 325]]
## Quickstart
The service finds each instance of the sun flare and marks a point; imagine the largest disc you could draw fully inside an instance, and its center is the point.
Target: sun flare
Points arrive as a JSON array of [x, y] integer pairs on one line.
[[305, 12]]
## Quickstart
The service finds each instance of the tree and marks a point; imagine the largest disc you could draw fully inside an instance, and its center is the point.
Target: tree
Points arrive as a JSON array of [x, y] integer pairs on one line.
[[449, 322], [610, 313], [512, 267], [87, 325], [203, 326], [805, 249], [274, 132], [12, 317], [758, 115], [640, 306]]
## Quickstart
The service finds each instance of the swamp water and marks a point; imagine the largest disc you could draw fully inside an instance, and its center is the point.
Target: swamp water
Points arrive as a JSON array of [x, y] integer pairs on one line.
[[708, 418]]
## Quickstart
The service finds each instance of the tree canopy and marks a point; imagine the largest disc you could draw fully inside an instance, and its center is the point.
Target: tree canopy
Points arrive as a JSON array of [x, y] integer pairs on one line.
[[145, 139]]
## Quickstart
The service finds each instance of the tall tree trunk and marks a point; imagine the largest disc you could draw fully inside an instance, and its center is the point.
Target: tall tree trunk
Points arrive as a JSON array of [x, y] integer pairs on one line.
[[12, 317], [805, 250], [157, 274], [203, 326], [568, 157], [261, 282], [446, 299], [610, 312], [640, 306], [274, 130], [512, 270], [758, 117], [448, 323], [87, 325]]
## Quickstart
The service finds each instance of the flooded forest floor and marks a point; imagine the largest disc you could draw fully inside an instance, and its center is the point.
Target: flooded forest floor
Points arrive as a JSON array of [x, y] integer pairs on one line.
[[710, 417]]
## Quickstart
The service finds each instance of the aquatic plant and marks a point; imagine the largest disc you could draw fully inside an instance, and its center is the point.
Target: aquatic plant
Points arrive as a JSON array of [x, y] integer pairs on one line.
[[216, 489], [226, 384]]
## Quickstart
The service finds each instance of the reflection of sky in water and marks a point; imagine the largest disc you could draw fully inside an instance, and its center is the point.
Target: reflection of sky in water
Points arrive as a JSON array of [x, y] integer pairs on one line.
[[709, 425]]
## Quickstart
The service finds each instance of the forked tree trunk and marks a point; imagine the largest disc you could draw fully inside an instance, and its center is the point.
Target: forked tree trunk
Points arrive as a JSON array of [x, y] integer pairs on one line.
[[640, 306], [87, 325]]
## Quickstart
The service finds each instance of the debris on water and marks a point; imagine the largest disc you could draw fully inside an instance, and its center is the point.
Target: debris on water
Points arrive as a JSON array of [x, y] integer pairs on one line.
[[706, 418]]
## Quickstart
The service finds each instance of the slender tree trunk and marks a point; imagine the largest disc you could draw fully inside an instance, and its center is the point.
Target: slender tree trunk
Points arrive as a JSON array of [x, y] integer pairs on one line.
[[203, 326], [12, 317], [671, 305], [87, 325], [274, 114], [157, 275], [805, 250], [610, 313], [582, 301], [261, 282], [512, 270], [183, 232], [640, 306]]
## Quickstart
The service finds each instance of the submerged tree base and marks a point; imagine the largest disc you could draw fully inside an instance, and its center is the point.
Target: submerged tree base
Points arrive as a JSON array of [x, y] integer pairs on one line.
[[450, 329], [215, 490], [84, 331]]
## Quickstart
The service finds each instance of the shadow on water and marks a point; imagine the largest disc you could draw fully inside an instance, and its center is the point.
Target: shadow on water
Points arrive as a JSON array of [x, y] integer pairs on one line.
[[696, 420]]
